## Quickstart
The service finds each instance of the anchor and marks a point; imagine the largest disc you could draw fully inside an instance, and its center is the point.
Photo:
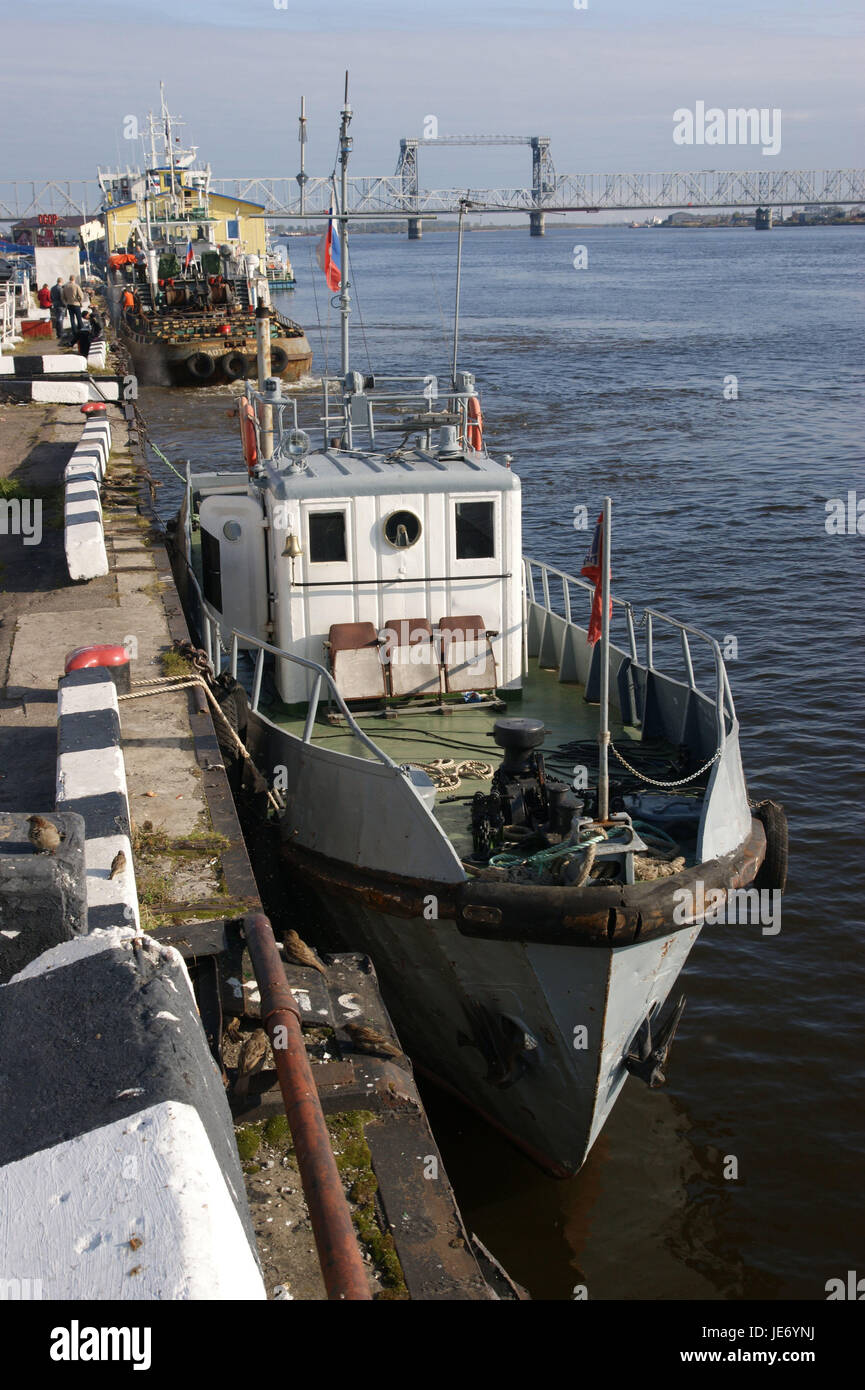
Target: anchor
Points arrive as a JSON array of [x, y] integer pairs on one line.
[[646, 1059]]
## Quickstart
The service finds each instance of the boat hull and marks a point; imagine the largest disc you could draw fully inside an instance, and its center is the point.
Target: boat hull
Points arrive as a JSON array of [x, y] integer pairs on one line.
[[522, 999], [532, 1036], [156, 358]]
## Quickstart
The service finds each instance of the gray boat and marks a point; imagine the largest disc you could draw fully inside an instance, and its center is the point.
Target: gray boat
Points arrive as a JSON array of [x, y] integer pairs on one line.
[[524, 828]]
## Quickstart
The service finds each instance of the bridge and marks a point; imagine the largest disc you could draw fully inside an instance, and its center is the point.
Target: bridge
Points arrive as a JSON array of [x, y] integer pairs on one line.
[[399, 195]]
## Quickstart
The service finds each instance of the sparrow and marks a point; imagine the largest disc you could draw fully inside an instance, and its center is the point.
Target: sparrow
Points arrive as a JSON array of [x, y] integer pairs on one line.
[[251, 1060], [44, 835], [118, 864], [367, 1039], [300, 953]]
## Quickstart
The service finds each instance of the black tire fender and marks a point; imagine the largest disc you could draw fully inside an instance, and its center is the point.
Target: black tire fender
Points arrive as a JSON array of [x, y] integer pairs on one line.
[[234, 365], [278, 359], [201, 365], [772, 873]]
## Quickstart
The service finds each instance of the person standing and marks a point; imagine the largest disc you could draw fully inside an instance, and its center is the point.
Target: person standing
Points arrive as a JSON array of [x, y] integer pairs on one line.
[[91, 331], [73, 299], [58, 308], [44, 297]]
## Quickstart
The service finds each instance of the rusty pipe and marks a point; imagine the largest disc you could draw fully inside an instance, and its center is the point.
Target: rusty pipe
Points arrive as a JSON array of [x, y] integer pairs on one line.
[[335, 1238]]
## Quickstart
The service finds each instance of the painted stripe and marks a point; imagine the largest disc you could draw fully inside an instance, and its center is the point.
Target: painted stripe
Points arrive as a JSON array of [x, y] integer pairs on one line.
[[73, 698], [135, 1210], [99, 728], [94, 944], [91, 780], [59, 392], [84, 539]]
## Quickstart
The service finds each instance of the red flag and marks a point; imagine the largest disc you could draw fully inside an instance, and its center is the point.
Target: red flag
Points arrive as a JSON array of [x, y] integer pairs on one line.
[[329, 253], [593, 569]]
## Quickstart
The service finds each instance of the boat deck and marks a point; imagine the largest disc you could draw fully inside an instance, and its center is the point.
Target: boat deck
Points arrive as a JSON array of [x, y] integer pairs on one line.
[[464, 735]]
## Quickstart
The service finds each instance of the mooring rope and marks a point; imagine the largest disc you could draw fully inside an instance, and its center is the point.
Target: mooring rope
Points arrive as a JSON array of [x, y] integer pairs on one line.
[[164, 685]]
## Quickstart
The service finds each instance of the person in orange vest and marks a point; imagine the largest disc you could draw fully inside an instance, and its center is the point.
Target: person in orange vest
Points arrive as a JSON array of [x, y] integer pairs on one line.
[[128, 300]]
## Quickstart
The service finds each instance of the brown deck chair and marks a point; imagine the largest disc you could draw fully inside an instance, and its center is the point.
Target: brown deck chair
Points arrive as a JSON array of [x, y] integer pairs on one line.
[[467, 653], [414, 664], [355, 661]]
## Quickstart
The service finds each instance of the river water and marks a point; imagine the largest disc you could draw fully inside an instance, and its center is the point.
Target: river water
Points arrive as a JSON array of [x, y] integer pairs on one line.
[[709, 382]]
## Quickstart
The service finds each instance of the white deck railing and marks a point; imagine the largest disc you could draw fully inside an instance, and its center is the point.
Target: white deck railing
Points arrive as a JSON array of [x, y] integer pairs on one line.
[[721, 698]]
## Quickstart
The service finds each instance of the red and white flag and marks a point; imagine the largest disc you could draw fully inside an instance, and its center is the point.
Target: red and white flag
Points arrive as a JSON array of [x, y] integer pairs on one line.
[[593, 569], [329, 253]]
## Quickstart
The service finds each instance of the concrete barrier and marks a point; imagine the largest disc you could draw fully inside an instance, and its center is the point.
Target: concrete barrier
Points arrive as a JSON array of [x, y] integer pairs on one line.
[[43, 896], [46, 392], [97, 354], [91, 781], [86, 557], [119, 1175], [55, 364]]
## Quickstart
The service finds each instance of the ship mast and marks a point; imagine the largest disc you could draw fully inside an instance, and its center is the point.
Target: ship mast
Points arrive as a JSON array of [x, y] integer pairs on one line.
[[166, 123], [301, 135], [345, 143]]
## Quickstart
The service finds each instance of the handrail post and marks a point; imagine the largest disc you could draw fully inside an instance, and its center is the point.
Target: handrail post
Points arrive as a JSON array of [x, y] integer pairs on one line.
[[313, 708], [686, 653], [719, 695], [632, 636], [650, 646], [256, 682], [545, 587], [234, 655]]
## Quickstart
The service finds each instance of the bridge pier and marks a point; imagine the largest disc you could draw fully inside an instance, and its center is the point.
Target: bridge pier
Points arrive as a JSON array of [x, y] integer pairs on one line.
[[536, 224], [415, 229]]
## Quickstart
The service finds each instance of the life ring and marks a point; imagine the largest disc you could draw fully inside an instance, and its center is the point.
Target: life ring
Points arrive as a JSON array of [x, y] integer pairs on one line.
[[475, 429], [201, 366], [234, 365], [247, 433], [772, 873], [278, 359]]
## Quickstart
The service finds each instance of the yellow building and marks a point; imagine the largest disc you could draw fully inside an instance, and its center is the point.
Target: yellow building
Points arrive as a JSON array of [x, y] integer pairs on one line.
[[188, 214]]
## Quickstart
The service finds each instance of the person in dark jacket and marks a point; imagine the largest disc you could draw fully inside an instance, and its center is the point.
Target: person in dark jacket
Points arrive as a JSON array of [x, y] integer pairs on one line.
[[58, 308], [91, 331]]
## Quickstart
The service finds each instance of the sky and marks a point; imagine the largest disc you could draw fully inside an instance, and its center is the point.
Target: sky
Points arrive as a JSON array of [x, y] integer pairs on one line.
[[602, 82]]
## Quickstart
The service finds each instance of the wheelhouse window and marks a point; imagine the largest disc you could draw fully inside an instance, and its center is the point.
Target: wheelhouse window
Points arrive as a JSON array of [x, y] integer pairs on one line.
[[475, 537], [402, 529], [327, 538], [211, 569]]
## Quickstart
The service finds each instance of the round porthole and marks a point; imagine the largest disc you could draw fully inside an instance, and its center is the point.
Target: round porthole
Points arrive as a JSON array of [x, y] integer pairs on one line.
[[402, 529], [232, 531]]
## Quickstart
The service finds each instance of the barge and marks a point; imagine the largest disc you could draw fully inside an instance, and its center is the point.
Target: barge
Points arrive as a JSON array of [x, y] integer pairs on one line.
[[187, 270]]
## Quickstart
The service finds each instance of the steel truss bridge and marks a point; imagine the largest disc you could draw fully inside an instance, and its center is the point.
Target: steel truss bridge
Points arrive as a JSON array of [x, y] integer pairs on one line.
[[398, 195]]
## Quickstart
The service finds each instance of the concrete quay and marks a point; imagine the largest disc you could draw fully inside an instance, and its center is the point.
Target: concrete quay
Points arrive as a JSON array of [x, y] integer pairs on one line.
[[192, 886]]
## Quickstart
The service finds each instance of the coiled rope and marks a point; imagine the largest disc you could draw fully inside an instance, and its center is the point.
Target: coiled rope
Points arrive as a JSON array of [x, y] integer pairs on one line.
[[447, 775]]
